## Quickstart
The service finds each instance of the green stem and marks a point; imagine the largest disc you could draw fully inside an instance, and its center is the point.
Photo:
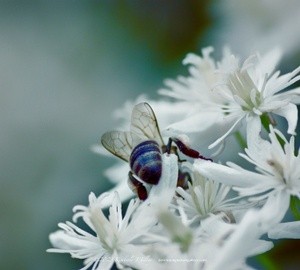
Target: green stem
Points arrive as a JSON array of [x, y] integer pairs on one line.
[[266, 121], [267, 262], [240, 139], [295, 207]]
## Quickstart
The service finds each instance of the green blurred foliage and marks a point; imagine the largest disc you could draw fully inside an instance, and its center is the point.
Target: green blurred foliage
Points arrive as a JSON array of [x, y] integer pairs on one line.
[[170, 29]]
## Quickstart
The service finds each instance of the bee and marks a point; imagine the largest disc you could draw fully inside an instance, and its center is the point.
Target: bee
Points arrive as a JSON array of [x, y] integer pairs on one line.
[[143, 147]]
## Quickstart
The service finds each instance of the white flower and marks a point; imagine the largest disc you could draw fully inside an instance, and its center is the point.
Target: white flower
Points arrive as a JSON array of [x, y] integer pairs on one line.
[[224, 95], [214, 244], [114, 239], [194, 93], [277, 177], [205, 197], [237, 242]]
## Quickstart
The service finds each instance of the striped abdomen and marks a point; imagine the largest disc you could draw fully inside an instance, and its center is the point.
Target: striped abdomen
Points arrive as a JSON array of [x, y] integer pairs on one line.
[[146, 161]]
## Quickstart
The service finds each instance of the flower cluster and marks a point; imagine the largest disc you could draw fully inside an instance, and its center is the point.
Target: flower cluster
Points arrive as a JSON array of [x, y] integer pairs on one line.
[[187, 211]]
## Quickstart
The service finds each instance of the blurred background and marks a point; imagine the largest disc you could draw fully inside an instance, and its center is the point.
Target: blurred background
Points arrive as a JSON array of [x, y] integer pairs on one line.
[[65, 66]]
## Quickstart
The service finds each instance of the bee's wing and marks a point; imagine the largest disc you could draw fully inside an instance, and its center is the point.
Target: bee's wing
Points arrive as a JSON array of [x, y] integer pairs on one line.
[[144, 124], [118, 143]]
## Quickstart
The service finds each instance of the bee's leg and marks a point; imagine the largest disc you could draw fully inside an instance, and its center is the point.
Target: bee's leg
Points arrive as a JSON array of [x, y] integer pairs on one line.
[[169, 145], [183, 179], [137, 187], [173, 149], [186, 150]]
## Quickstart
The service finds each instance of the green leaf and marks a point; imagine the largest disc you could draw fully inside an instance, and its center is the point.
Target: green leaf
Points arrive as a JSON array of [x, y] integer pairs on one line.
[[240, 139], [295, 207]]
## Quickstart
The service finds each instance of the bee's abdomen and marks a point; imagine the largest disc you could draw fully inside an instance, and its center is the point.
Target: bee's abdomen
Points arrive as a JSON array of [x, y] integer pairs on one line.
[[146, 161]]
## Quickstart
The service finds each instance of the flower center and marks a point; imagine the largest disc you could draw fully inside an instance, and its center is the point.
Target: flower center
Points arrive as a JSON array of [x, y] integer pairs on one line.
[[244, 91], [277, 169]]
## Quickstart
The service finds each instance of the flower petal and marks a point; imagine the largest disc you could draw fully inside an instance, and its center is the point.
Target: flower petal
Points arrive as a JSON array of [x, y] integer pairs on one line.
[[275, 207], [64, 242], [269, 61], [229, 176], [196, 122], [293, 95], [227, 133], [117, 172], [290, 113], [241, 244], [164, 191], [253, 131], [285, 230], [122, 189]]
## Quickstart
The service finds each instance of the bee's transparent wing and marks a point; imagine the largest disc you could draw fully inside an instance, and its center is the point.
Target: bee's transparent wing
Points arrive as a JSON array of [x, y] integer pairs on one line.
[[118, 143], [144, 124]]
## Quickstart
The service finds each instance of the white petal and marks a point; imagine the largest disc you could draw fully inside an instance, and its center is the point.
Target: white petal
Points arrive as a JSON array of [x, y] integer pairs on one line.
[[227, 175], [105, 263], [275, 207], [100, 150], [253, 131], [63, 242], [285, 230], [163, 192], [260, 247], [240, 244], [159, 196], [290, 113], [118, 173], [196, 122], [293, 95], [169, 112], [227, 133], [124, 193], [258, 150], [265, 66], [269, 61]]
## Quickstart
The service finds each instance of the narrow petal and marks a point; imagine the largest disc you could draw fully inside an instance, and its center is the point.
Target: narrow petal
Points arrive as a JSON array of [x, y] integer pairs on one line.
[[118, 172], [253, 131], [269, 61], [227, 175], [122, 189], [227, 133], [240, 244], [159, 196], [293, 95], [66, 243], [163, 192], [105, 263], [197, 122], [290, 113], [285, 230], [275, 207]]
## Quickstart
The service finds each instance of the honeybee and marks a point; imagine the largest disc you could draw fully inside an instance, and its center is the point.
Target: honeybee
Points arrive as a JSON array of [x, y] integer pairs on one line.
[[143, 147]]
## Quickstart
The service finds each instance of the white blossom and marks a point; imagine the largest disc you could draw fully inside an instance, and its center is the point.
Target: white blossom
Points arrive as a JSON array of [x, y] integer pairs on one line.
[[223, 95], [278, 171], [206, 197], [241, 242], [113, 238], [219, 215], [214, 244]]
